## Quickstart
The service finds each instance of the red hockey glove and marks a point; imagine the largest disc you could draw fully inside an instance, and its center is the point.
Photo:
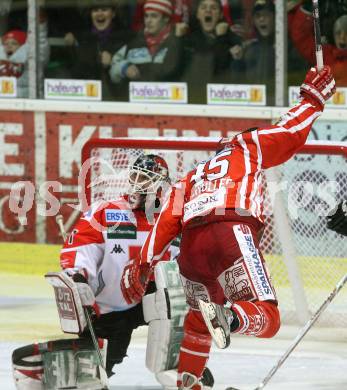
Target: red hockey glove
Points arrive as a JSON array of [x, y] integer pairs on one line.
[[318, 87], [134, 281]]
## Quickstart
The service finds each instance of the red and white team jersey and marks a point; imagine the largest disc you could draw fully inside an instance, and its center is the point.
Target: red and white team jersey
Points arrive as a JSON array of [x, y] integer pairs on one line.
[[231, 179], [102, 242]]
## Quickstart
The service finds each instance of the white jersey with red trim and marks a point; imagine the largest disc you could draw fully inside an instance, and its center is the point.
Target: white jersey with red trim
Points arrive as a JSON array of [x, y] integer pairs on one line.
[[232, 178], [102, 241]]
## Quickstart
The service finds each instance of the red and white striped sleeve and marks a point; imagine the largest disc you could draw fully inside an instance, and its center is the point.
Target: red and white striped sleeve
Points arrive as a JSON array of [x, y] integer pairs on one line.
[[274, 145], [167, 226], [84, 247]]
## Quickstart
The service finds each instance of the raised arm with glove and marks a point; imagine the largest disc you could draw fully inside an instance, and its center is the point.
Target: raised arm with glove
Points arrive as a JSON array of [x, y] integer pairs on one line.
[[318, 87]]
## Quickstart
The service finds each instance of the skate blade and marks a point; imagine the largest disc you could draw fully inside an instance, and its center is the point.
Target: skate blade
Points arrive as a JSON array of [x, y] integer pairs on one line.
[[218, 335]]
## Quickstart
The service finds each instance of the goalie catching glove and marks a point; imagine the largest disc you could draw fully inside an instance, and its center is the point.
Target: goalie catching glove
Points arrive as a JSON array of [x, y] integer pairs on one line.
[[318, 86], [135, 280], [86, 293], [338, 221]]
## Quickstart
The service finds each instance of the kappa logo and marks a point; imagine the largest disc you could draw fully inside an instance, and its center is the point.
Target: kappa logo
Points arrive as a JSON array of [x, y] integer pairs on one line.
[[117, 249]]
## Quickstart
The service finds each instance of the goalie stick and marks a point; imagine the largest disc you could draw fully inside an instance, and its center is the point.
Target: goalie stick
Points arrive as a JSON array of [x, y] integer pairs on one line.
[[101, 366], [60, 223], [301, 334]]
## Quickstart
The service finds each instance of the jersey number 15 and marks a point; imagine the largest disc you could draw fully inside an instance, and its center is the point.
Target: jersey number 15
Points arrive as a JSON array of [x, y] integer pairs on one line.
[[213, 169]]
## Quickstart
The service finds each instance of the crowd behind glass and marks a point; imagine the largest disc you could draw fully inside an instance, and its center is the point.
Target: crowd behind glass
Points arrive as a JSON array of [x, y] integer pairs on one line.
[[193, 41]]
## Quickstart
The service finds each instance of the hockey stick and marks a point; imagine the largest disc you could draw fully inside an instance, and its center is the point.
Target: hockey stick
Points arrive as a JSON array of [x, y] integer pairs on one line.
[[101, 366], [60, 223], [317, 34], [303, 332]]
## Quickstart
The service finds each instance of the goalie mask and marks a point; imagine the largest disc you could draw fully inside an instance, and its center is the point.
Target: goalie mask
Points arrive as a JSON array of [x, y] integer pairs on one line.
[[146, 178], [148, 174]]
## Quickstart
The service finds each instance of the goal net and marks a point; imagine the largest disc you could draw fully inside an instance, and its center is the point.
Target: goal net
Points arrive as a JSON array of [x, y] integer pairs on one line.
[[305, 259]]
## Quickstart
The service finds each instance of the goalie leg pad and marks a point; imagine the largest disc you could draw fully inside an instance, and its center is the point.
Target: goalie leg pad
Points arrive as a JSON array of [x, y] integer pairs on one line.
[[27, 368], [165, 311], [58, 364]]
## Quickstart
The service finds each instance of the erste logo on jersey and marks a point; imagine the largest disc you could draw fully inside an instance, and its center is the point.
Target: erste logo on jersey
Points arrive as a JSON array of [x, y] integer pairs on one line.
[[121, 217], [120, 224]]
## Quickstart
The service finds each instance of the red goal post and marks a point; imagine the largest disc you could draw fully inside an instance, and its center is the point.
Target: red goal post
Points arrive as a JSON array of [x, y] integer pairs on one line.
[[305, 259]]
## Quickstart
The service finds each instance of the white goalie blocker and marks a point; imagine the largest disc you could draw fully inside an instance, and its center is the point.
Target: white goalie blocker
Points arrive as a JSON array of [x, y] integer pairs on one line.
[[165, 311], [70, 310]]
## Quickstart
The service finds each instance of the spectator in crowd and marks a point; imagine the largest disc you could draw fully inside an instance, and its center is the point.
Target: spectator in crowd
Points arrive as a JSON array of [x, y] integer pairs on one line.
[[233, 13], [155, 54], [14, 53], [335, 54], [181, 13], [91, 50], [260, 51], [213, 53]]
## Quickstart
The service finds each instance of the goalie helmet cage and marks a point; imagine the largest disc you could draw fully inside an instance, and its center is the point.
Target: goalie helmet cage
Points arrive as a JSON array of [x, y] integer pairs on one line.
[[305, 259]]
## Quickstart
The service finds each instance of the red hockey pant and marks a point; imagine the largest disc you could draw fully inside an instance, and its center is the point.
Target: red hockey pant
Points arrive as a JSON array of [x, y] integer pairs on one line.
[[221, 262]]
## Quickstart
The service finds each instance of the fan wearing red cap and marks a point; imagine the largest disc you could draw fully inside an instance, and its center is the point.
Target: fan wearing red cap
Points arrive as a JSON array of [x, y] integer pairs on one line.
[[181, 13], [155, 54], [12, 40], [11, 58], [162, 6], [14, 52]]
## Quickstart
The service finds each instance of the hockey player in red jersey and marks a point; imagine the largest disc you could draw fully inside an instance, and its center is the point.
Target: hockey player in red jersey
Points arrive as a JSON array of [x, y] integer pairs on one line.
[[100, 244], [218, 208]]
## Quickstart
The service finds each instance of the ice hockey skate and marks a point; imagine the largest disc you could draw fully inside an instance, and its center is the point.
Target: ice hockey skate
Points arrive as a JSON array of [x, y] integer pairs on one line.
[[189, 380], [207, 379], [217, 321], [168, 379]]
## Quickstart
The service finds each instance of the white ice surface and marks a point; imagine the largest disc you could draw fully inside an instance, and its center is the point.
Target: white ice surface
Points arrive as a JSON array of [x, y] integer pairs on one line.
[[242, 366], [314, 365]]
